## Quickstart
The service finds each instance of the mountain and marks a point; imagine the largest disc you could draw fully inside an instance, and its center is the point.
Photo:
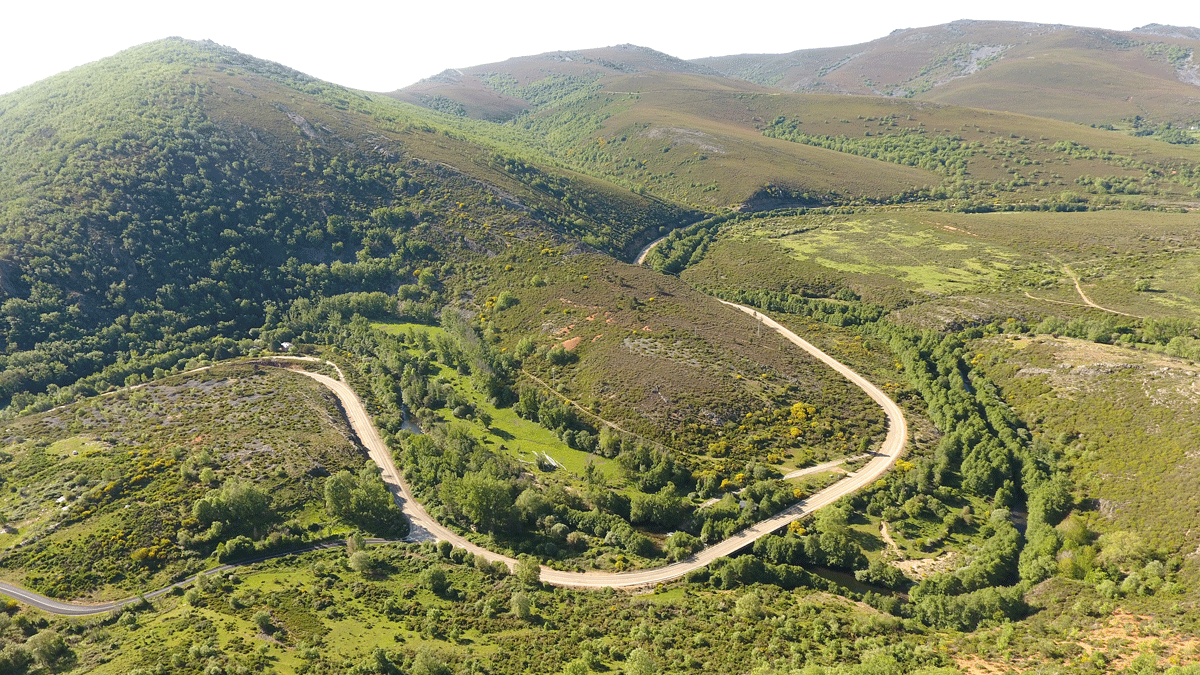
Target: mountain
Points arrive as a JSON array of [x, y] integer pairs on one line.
[[182, 192], [177, 191], [1084, 75], [1158, 29], [1021, 286], [500, 91], [647, 121], [657, 125]]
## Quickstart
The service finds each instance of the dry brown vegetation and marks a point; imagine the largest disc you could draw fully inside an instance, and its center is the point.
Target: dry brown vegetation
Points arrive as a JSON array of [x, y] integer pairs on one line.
[[1034, 69]]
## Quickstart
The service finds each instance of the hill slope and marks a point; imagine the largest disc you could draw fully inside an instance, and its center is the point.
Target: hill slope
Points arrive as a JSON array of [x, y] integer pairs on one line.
[[500, 91], [657, 125], [183, 202], [1086, 75], [170, 194]]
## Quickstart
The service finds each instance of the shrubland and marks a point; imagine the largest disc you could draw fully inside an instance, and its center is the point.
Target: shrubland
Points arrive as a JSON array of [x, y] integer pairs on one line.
[[120, 492], [1017, 286]]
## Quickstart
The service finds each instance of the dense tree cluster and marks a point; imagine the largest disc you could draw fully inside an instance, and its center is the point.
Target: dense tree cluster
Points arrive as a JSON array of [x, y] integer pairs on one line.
[[364, 501]]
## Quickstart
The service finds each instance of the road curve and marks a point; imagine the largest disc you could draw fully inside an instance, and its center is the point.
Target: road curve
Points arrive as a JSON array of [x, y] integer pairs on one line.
[[641, 257], [424, 527]]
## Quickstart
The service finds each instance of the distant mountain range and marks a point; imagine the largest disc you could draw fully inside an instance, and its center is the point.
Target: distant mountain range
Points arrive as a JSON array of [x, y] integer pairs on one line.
[[1074, 74]]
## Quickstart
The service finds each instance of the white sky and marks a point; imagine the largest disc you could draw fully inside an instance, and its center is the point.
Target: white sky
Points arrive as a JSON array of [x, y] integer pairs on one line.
[[381, 46]]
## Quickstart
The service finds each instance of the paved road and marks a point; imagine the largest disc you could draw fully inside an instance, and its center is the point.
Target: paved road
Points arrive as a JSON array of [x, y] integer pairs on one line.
[[424, 527]]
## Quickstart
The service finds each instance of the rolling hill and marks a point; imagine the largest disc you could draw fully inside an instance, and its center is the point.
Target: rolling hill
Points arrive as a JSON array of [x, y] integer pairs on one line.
[[927, 208], [689, 135], [1082, 75], [499, 91]]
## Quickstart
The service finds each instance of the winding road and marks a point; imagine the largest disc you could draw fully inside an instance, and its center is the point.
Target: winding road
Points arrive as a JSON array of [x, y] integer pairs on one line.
[[641, 256], [424, 527]]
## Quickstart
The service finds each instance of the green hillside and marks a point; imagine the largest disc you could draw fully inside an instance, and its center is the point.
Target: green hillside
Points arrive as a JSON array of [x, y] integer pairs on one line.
[[1024, 287], [102, 496], [711, 141], [182, 192], [245, 205], [500, 91]]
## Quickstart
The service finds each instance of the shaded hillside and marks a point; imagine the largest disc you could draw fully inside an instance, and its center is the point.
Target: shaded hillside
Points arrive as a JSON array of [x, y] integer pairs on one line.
[[1087, 75]]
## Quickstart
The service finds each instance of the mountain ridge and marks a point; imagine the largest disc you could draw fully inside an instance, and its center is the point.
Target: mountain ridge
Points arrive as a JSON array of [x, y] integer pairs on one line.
[[1025, 287], [1071, 73]]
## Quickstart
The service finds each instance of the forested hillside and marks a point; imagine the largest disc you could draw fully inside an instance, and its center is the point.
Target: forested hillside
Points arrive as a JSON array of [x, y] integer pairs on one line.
[[182, 192], [182, 225]]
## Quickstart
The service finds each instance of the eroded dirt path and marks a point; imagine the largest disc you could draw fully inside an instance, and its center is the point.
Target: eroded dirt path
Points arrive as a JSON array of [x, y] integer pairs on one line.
[[1088, 301]]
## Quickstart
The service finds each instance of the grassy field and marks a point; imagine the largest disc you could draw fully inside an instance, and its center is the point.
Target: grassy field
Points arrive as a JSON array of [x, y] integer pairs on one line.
[[521, 439], [947, 265]]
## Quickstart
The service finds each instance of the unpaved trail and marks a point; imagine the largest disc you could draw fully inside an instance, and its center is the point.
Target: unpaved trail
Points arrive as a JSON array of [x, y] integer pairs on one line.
[[424, 527], [891, 543], [806, 471], [585, 411], [1088, 301], [641, 259]]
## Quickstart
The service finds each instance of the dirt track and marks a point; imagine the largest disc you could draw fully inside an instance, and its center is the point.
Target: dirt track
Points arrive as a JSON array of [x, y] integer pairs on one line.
[[424, 527]]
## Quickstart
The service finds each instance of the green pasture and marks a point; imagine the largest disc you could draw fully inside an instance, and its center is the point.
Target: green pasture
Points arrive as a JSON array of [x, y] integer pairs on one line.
[[922, 254], [1143, 264], [520, 438]]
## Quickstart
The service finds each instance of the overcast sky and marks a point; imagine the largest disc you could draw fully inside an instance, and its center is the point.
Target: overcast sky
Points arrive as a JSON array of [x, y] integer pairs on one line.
[[381, 46]]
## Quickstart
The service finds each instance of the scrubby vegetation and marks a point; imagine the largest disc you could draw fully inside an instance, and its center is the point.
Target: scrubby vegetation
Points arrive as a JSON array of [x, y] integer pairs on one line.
[[126, 491], [178, 216]]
